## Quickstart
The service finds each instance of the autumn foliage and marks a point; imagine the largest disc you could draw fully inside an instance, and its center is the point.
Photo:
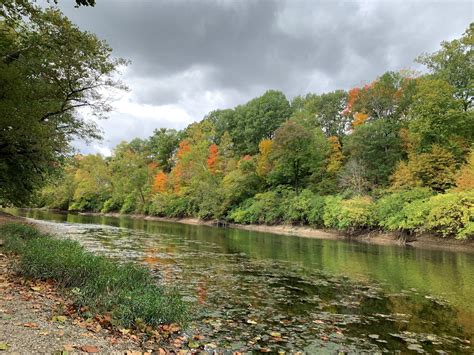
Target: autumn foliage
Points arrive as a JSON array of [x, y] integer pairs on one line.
[[213, 159], [160, 182]]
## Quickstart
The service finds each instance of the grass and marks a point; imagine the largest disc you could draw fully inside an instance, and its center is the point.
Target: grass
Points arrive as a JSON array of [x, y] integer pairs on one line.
[[125, 291]]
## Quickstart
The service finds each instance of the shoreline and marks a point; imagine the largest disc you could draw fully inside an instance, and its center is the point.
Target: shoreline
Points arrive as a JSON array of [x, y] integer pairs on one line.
[[423, 241], [374, 237]]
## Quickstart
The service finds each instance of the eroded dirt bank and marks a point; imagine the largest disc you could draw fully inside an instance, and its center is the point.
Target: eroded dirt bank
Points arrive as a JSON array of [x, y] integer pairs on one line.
[[425, 241]]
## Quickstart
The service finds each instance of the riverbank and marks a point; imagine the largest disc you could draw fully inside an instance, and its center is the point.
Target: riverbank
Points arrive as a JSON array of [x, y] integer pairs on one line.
[[423, 241], [39, 313]]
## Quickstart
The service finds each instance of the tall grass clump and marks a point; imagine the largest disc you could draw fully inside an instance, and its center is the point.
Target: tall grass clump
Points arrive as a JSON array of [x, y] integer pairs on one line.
[[126, 291]]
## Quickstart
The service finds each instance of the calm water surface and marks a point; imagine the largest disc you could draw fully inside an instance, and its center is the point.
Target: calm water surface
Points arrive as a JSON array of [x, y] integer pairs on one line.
[[253, 291]]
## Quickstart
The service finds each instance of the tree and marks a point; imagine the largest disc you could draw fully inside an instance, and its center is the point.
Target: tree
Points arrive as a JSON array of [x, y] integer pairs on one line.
[[162, 145], [388, 97], [131, 178], [378, 146], [437, 117], [258, 119], [49, 69], [325, 111], [352, 177], [213, 160], [335, 156], [435, 169], [454, 64], [293, 155], [264, 164], [465, 176], [160, 183], [92, 183]]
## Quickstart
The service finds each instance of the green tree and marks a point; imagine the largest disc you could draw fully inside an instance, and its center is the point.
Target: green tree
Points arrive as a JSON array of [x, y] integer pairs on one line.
[[131, 178], [258, 119], [295, 155], [437, 117], [324, 111], [378, 146], [454, 63], [162, 145], [48, 70]]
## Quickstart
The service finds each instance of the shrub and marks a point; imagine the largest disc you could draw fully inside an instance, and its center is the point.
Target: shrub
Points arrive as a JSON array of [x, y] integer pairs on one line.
[[451, 214], [305, 208], [170, 205], [348, 215], [129, 204], [297, 207], [389, 209], [412, 217], [126, 291], [316, 211], [268, 207]]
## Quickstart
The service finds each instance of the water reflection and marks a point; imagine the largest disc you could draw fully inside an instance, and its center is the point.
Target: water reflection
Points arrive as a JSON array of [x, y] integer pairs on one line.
[[279, 292]]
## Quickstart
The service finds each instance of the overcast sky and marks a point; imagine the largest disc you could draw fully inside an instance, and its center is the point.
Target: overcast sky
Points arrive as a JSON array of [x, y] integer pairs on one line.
[[191, 57]]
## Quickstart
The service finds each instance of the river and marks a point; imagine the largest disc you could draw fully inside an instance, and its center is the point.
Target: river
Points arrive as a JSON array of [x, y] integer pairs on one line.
[[253, 291]]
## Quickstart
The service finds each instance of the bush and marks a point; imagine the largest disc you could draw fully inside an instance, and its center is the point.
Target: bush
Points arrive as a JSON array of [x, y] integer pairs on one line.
[[169, 205], [412, 217], [297, 207], [316, 211], [268, 208], [305, 208], [126, 291], [451, 214], [389, 210], [348, 215]]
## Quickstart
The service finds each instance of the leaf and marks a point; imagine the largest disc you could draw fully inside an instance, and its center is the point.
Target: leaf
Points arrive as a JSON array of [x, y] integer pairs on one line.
[[89, 349], [60, 319], [36, 288], [30, 325], [193, 344], [275, 334], [250, 321], [4, 346]]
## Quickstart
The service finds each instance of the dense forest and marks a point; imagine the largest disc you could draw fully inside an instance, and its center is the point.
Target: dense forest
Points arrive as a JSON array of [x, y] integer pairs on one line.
[[396, 154]]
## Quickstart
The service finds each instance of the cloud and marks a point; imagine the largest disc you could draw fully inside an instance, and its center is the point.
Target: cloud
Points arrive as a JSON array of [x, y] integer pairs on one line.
[[191, 57]]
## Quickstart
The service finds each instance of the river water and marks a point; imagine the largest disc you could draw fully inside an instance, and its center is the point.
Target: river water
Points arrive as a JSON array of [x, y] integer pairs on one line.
[[253, 291]]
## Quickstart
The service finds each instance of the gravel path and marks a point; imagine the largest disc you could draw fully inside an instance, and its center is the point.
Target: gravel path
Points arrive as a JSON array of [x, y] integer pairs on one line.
[[32, 321], [32, 318]]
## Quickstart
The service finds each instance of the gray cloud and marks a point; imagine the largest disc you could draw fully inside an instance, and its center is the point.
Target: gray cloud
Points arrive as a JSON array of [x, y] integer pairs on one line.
[[205, 54]]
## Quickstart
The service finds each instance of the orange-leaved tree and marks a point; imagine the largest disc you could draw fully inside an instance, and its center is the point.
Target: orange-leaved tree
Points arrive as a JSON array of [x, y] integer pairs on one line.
[[213, 159], [160, 182]]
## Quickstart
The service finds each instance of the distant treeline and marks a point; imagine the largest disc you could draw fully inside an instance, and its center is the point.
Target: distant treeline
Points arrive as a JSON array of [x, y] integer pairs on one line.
[[395, 154]]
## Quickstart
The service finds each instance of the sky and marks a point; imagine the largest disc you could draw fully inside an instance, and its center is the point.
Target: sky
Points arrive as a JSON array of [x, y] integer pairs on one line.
[[191, 57]]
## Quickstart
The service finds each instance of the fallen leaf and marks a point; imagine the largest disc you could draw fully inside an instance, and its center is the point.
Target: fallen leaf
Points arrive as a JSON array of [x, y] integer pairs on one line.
[[124, 331], [60, 319], [250, 321], [89, 349], [30, 325], [36, 288], [4, 346]]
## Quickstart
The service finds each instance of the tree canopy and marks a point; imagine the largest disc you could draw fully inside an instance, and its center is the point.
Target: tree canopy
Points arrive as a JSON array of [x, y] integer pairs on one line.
[[49, 71]]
